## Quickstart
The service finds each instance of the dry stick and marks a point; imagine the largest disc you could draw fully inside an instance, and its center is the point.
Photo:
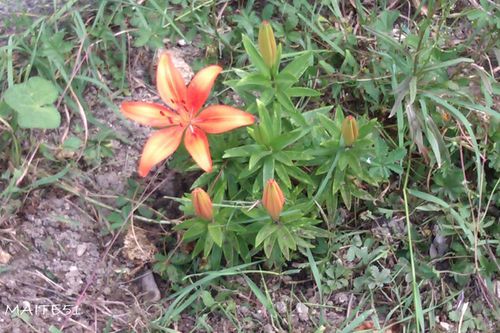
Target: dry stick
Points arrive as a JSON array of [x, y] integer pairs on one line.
[[68, 120], [76, 69], [84, 120], [463, 309], [25, 171]]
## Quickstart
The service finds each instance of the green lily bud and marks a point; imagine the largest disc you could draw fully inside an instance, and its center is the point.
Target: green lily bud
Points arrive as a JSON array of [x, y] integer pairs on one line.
[[267, 44], [350, 130]]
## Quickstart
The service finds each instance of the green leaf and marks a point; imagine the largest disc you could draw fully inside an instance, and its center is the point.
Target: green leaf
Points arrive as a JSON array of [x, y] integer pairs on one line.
[[269, 245], [400, 92], [289, 138], [72, 143], [254, 56], [256, 157], [413, 89], [302, 92], [265, 232], [446, 64], [324, 37], [282, 173], [254, 79], [285, 80], [356, 321], [215, 231], [438, 201], [316, 275], [468, 127], [243, 151], [298, 66], [299, 174], [385, 20], [436, 140], [33, 101], [207, 298], [209, 244], [266, 301], [194, 231], [283, 158], [286, 237], [268, 169]]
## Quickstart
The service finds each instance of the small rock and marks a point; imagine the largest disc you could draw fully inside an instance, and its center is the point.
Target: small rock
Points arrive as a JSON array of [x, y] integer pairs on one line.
[[445, 326], [269, 329], [244, 310], [259, 315], [181, 42], [302, 311], [4, 257], [281, 307], [80, 249], [341, 298], [150, 288]]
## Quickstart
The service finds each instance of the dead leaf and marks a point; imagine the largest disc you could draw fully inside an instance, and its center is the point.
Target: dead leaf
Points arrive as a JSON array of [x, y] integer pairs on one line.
[[137, 247]]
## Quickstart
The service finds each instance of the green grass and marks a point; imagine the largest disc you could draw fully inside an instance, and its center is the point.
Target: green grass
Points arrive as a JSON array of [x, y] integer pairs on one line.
[[433, 101]]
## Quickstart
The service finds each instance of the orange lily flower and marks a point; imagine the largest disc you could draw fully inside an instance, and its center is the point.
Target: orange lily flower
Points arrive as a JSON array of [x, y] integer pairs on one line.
[[182, 118]]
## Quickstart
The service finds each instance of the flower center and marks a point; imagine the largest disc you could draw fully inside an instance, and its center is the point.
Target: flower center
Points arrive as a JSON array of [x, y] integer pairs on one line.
[[185, 117]]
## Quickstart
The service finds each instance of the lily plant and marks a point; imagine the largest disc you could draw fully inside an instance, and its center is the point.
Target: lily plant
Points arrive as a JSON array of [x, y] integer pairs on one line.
[[181, 117]]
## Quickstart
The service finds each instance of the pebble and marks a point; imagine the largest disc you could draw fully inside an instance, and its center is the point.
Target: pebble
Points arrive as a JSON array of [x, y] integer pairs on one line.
[[150, 288], [4, 257], [302, 311], [244, 310], [269, 329], [281, 307], [80, 249]]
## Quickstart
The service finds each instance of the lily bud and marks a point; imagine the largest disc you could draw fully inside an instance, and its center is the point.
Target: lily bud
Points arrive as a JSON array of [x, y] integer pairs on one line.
[[273, 199], [350, 130], [267, 44], [202, 204]]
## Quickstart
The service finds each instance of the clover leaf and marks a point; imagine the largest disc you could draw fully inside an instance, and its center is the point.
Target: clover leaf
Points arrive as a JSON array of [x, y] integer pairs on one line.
[[34, 103]]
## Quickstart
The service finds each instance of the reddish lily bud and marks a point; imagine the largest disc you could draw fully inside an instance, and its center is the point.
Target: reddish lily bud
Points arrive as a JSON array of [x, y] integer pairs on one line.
[[202, 204], [350, 130], [273, 199], [267, 44]]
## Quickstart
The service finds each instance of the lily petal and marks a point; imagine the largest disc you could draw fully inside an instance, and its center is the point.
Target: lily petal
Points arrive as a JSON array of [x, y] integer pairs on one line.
[[222, 118], [160, 145], [170, 83], [196, 143], [149, 114], [200, 86]]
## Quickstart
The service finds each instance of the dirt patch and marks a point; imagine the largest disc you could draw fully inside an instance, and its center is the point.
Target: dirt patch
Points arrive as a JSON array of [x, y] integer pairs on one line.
[[55, 251]]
